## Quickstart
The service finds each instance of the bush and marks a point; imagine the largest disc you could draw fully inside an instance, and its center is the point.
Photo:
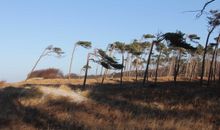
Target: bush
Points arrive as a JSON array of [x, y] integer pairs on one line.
[[2, 83], [72, 75], [51, 73]]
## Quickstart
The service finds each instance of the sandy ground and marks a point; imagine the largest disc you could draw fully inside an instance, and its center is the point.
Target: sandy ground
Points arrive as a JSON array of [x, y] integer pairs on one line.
[[62, 91]]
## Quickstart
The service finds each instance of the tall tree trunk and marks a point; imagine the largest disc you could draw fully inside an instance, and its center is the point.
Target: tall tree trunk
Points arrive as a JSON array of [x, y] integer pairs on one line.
[[86, 72], [148, 62], [187, 68], [106, 70], [121, 81], [126, 65], [219, 73], [158, 63], [71, 61], [215, 66], [136, 71], [211, 66], [35, 65], [204, 55], [193, 71], [176, 68], [103, 77], [216, 56], [130, 68], [170, 73]]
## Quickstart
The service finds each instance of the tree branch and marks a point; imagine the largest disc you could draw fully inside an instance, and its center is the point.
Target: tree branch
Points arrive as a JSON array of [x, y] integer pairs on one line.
[[201, 11], [204, 7]]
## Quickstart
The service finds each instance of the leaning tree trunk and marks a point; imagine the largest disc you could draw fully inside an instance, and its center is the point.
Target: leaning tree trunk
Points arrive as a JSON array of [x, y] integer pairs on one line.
[[212, 61], [148, 62], [106, 70], [216, 57], [158, 63], [35, 65], [211, 67], [86, 72], [71, 61], [204, 55]]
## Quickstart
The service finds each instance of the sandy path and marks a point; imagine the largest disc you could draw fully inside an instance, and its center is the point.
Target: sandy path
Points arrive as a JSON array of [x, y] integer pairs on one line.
[[59, 92]]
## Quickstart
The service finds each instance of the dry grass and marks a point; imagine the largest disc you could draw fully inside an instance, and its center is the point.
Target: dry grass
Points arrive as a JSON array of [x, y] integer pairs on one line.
[[112, 107]]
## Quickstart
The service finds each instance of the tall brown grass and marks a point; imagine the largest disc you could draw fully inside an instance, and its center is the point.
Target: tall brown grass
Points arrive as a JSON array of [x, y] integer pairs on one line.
[[112, 107]]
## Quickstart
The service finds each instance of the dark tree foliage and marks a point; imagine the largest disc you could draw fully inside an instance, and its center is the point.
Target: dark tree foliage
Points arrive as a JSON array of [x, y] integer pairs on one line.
[[177, 40], [107, 61], [85, 44], [105, 57]]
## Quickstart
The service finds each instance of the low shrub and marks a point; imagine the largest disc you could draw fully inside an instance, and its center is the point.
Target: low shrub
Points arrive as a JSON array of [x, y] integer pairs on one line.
[[51, 73], [2, 83]]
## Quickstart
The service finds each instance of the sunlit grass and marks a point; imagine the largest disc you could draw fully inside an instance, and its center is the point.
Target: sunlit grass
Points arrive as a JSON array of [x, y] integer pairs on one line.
[[109, 107]]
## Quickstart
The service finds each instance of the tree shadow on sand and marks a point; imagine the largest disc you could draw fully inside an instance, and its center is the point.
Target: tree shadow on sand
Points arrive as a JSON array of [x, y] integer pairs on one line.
[[12, 110]]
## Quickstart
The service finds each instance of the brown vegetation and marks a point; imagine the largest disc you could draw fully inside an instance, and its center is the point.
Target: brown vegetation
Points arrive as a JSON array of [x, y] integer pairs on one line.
[[2, 83], [50, 73], [186, 106]]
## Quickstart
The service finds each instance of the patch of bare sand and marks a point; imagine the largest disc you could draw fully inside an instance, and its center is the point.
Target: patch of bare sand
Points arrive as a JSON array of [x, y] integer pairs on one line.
[[63, 91]]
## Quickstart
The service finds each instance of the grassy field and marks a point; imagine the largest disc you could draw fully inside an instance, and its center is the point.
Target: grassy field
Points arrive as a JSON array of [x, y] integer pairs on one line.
[[47, 104]]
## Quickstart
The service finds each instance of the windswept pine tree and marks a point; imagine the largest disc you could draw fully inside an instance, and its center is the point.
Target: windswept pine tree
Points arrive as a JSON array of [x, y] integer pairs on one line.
[[213, 22], [148, 36], [214, 57], [120, 47], [50, 50], [179, 44], [84, 44], [100, 57], [161, 49]]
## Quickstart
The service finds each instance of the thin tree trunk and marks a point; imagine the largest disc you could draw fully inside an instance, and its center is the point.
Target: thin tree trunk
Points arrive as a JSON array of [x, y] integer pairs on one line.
[[130, 68], [148, 62], [219, 74], [71, 61], [193, 71], [121, 81], [35, 65], [170, 73], [86, 72], [216, 56], [204, 55], [136, 74], [211, 65], [106, 70], [158, 63], [215, 66], [187, 68], [177, 66]]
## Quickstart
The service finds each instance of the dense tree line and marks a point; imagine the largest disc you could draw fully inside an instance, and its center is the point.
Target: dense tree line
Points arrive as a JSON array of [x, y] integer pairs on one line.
[[168, 54]]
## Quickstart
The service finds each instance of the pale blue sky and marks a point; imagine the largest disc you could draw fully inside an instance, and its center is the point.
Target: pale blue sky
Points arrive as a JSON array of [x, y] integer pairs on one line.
[[28, 26]]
